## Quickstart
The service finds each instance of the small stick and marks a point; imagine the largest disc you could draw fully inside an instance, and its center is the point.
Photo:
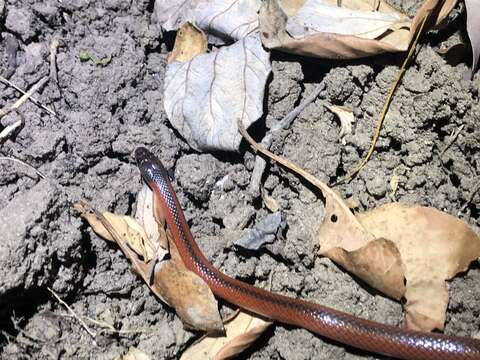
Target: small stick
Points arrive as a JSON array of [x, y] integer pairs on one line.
[[53, 60], [452, 138], [6, 158], [470, 198], [109, 328], [85, 326], [386, 106], [12, 128], [260, 163], [30, 97]]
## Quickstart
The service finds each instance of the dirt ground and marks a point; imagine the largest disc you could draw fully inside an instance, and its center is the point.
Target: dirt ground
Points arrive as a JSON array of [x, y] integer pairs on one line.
[[106, 111]]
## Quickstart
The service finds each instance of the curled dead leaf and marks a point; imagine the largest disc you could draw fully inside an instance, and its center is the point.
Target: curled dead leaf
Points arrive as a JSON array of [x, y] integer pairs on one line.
[[240, 333], [222, 20], [191, 297], [172, 282], [190, 42], [145, 217], [205, 96], [378, 263], [320, 28], [125, 226], [433, 247]]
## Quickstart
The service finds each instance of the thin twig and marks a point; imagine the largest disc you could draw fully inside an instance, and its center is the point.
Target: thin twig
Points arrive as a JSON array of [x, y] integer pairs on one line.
[[386, 106], [452, 138], [260, 164], [7, 158], [470, 198], [13, 128], [109, 328], [53, 60], [28, 95], [93, 334]]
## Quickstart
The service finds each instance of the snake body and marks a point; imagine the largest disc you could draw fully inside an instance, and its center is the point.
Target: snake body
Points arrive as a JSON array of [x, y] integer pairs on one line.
[[336, 325]]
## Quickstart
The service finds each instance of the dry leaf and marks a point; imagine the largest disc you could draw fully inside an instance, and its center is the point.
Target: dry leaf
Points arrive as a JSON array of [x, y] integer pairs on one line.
[[378, 263], [206, 96], [172, 282], [172, 14], [127, 227], [325, 16], [320, 28], [226, 20], [189, 295], [222, 20], [241, 332], [433, 247], [190, 42], [345, 115], [473, 29], [394, 181], [146, 219]]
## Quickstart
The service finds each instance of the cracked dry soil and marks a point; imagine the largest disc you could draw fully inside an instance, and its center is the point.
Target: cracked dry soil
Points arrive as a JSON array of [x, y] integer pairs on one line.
[[106, 111]]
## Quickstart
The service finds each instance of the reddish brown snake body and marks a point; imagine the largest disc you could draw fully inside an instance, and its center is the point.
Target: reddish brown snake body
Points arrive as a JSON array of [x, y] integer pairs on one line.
[[333, 324]]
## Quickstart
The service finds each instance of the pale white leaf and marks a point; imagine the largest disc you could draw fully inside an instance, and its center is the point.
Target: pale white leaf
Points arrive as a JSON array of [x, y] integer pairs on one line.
[[473, 29], [221, 20], [319, 16], [171, 14], [227, 20], [206, 96]]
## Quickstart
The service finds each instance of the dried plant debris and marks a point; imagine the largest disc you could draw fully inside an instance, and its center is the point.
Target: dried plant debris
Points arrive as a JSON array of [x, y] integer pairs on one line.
[[222, 21], [394, 242], [189, 42], [168, 278], [473, 29], [321, 28], [240, 333], [346, 118], [423, 245], [146, 218], [206, 96]]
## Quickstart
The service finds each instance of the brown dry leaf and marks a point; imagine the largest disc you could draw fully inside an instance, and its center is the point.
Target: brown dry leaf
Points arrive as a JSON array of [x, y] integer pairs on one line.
[[189, 295], [127, 227], [379, 263], [190, 42], [433, 247], [320, 28], [241, 332], [173, 282]]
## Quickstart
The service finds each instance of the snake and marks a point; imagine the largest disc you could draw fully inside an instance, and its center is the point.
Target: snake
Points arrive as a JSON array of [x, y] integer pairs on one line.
[[347, 329]]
